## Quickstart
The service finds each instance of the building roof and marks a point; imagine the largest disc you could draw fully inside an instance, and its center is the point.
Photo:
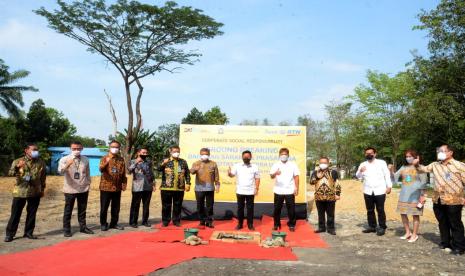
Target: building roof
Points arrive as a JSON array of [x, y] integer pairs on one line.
[[85, 151]]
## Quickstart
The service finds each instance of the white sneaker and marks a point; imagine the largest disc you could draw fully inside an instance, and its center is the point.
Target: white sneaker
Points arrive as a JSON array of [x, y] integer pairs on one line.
[[405, 237]]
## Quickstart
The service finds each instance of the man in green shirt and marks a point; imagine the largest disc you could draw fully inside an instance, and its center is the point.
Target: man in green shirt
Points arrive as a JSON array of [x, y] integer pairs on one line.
[[29, 171]]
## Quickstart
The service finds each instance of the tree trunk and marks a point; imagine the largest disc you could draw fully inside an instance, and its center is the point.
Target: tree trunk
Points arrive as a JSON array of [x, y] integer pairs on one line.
[[129, 136], [138, 113], [113, 114]]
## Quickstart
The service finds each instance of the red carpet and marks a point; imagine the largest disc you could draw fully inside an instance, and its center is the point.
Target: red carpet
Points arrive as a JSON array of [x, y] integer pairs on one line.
[[137, 253]]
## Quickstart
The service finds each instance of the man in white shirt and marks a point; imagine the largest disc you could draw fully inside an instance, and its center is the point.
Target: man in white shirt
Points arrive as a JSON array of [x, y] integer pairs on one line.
[[247, 184], [376, 184], [286, 188], [75, 169]]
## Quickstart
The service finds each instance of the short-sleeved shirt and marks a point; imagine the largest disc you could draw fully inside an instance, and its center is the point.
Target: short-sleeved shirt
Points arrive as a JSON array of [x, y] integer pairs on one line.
[[245, 178], [284, 183]]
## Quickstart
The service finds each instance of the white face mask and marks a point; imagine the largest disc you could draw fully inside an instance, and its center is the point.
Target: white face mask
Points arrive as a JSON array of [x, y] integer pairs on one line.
[[76, 153], [35, 154], [409, 160], [323, 166], [284, 158], [204, 157], [175, 154], [442, 156], [114, 150]]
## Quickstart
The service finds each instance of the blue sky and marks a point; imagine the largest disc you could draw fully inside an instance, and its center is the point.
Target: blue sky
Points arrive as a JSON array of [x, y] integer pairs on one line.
[[276, 60]]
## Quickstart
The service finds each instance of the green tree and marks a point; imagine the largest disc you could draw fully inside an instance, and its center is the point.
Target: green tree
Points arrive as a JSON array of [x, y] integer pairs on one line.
[[440, 79], [387, 103], [11, 95], [256, 122], [138, 39], [318, 142], [195, 117], [213, 116], [165, 136]]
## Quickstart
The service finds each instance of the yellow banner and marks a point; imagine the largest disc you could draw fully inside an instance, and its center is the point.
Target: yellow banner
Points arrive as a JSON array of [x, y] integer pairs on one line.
[[226, 144]]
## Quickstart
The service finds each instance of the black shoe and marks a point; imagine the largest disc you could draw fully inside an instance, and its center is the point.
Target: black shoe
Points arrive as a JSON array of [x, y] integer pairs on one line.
[[251, 228], [67, 234], [276, 228], [319, 230], [202, 223], [133, 225], [146, 224], [104, 227], [443, 246], [332, 232], [177, 224], [8, 239], [238, 227], [30, 236], [292, 228], [165, 224], [380, 231], [86, 230], [369, 230], [209, 225], [117, 227], [457, 252]]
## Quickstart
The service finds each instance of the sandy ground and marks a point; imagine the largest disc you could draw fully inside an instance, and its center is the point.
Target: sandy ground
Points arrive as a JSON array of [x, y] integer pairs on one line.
[[350, 252]]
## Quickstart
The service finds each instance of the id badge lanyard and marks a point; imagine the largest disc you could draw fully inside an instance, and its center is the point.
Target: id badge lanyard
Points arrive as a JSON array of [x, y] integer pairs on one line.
[[77, 174], [28, 172]]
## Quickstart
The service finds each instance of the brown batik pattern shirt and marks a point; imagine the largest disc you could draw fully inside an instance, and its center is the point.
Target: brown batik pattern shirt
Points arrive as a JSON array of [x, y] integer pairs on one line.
[[449, 181], [113, 174], [327, 186]]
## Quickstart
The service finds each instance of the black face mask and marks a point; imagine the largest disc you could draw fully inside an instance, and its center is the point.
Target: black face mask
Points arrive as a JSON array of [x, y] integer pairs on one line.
[[144, 157], [246, 160], [369, 157]]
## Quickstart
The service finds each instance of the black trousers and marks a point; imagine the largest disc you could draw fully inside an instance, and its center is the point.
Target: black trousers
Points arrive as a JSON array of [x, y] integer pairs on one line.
[[81, 199], [17, 207], [278, 205], [105, 199], [372, 201], [325, 214], [137, 197], [242, 200], [205, 201], [171, 200], [450, 225]]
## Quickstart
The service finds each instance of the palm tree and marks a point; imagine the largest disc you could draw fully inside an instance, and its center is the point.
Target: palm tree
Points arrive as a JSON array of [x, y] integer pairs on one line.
[[11, 97]]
